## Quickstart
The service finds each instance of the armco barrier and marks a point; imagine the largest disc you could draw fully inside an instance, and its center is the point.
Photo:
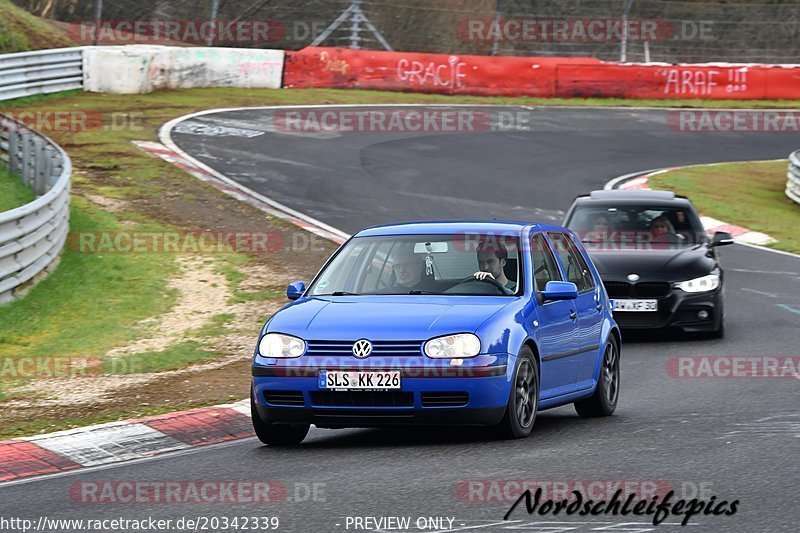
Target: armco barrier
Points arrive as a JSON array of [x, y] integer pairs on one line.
[[793, 184], [40, 72], [536, 76], [32, 236]]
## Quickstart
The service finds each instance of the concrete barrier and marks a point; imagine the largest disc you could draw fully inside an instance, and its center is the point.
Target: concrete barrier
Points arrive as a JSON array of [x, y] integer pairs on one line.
[[140, 69]]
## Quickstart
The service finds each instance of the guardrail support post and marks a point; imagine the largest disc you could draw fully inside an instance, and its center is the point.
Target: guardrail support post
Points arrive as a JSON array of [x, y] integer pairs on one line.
[[25, 139], [40, 167], [13, 151]]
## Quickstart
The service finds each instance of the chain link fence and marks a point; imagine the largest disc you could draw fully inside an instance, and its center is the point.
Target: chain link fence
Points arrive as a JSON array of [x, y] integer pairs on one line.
[[634, 30]]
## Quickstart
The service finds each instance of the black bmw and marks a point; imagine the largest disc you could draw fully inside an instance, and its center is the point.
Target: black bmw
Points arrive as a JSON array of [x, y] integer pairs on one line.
[[655, 259]]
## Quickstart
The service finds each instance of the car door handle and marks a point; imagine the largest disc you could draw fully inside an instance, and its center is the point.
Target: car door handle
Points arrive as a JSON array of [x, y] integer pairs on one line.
[[573, 315]]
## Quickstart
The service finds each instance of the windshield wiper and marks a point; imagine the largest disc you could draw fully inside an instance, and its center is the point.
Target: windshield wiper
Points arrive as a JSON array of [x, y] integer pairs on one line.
[[415, 291], [340, 293]]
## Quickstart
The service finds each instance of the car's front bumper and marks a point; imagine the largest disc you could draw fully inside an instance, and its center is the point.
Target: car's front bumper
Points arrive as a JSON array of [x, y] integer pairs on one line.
[[678, 309], [432, 392]]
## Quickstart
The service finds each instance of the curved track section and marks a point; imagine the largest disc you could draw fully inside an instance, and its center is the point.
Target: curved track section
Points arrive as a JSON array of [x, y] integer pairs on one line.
[[734, 438]]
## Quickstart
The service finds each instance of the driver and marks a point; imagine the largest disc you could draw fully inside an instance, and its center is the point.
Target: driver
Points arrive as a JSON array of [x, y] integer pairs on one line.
[[408, 268], [492, 260]]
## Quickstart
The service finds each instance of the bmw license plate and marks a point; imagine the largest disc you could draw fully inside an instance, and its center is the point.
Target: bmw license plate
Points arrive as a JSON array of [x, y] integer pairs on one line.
[[364, 381], [635, 305]]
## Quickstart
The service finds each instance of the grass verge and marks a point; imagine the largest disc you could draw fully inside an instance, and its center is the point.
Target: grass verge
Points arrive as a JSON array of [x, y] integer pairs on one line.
[[13, 193], [20, 31], [749, 194]]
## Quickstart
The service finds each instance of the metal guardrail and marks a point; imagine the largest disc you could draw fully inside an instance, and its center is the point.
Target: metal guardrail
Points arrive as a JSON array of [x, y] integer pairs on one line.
[[40, 72], [32, 236], [793, 185]]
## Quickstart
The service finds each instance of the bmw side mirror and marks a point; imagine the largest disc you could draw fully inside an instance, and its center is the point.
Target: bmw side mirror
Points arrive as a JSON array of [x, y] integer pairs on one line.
[[721, 238], [295, 290], [560, 290]]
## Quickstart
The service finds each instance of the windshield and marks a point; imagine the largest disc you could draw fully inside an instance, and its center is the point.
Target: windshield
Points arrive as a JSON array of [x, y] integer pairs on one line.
[[464, 264], [636, 227]]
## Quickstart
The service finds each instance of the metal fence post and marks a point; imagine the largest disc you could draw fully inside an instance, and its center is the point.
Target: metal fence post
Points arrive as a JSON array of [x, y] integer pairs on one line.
[[25, 141], [13, 150], [39, 163]]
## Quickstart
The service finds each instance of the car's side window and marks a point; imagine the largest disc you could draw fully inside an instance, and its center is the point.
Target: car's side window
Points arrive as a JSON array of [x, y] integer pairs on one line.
[[573, 263], [588, 279], [544, 262]]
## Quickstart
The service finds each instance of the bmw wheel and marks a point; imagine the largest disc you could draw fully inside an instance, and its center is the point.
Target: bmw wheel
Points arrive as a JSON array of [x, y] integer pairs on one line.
[[276, 434], [604, 400]]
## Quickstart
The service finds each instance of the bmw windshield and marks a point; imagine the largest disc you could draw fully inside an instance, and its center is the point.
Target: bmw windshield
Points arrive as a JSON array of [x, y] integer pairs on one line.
[[473, 264], [636, 227]]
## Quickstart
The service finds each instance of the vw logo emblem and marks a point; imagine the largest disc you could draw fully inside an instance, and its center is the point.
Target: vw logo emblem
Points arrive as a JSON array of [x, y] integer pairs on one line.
[[633, 277], [362, 348]]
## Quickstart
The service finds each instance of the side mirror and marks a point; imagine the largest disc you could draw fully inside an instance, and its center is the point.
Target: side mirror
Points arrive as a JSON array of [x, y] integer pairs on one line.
[[721, 238], [295, 290], [560, 290]]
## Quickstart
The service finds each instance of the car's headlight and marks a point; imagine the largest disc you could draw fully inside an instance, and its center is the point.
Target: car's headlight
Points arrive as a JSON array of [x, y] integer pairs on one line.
[[704, 284], [457, 346], [281, 346]]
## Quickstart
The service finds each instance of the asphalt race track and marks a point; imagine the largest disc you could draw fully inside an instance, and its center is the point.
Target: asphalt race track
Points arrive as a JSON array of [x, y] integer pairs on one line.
[[733, 438]]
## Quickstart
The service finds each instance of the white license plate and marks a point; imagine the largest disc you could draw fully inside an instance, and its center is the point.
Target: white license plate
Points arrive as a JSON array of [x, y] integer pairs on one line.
[[636, 305], [351, 380]]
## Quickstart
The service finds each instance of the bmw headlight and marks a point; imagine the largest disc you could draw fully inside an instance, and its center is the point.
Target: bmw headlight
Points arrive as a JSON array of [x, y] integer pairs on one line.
[[457, 346], [281, 346], [703, 284]]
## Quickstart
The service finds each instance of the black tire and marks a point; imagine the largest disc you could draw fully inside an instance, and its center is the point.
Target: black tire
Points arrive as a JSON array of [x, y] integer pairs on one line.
[[276, 434], [523, 399], [604, 400]]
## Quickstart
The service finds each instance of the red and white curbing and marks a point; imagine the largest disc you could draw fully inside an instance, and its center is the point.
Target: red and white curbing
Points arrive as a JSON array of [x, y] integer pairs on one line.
[[740, 234], [123, 441]]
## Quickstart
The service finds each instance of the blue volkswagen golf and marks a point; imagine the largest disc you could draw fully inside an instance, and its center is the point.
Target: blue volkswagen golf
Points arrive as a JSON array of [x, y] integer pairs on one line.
[[473, 323]]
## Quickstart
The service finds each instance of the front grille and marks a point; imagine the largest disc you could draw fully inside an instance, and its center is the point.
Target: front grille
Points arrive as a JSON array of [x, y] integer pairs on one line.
[[645, 289], [362, 399], [618, 289], [657, 289], [285, 397], [379, 348], [444, 399]]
